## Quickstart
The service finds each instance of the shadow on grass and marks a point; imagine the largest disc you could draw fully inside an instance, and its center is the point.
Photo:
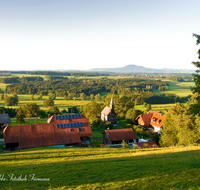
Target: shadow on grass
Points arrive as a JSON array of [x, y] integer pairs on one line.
[[162, 171]]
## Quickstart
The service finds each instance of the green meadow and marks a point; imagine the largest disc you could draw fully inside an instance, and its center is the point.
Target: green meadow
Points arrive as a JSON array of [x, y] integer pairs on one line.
[[3, 86], [101, 168], [179, 88]]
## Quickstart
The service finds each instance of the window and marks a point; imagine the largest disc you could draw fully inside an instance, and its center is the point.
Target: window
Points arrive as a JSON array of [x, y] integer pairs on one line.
[[79, 129], [71, 130]]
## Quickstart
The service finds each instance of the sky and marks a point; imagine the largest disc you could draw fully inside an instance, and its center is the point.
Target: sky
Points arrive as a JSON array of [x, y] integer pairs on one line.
[[86, 34]]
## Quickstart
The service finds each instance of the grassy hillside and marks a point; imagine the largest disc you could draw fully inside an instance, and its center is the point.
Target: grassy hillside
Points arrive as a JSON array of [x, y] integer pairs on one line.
[[101, 168]]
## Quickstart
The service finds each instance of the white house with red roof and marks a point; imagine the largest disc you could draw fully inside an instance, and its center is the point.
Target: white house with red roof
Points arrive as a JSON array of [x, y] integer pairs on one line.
[[152, 121]]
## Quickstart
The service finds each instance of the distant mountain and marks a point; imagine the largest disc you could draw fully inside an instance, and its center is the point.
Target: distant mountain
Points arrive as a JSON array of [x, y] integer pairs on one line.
[[140, 69]]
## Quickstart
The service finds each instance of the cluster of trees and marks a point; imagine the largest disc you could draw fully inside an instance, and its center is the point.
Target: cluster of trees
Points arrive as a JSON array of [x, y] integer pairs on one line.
[[33, 110], [181, 78], [87, 86], [182, 122], [91, 88], [59, 73], [10, 100], [124, 107], [55, 77], [8, 80]]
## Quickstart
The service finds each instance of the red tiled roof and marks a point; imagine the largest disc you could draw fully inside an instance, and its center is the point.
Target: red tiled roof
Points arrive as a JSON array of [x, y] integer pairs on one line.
[[152, 118], [46, 134], [120, 134], [106, 110], [157, 119], [144, 119], [150, 143]]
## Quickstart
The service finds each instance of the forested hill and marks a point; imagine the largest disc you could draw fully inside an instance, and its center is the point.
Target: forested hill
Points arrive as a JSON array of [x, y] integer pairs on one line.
[[140, 69]]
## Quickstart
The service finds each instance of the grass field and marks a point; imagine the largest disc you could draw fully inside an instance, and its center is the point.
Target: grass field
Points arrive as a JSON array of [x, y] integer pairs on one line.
[[101, 168], [179, 88], [3, 86], [59, 102]]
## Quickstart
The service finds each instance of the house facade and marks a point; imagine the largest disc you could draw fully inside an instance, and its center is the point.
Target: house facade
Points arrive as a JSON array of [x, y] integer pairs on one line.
[[153, 121], [108, 113], [67, 130]]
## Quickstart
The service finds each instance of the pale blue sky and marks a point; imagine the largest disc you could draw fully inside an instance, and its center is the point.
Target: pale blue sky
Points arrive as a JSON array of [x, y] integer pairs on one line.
[[85, 34]]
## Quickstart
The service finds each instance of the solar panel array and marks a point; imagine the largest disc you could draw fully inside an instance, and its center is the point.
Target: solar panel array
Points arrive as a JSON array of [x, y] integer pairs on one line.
[[69, 125], [73, 116]]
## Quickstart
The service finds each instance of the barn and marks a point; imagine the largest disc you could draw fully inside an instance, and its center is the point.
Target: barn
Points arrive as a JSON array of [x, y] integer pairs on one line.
[[67, 130]]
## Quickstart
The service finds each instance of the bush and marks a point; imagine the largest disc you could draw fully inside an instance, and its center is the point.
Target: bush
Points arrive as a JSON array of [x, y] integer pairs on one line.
[[48, 103], [124, 144], [145, 145], [54, 110], [1, 134]]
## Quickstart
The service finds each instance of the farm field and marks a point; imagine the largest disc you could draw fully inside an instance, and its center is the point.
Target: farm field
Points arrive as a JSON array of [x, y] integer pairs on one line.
[[101, 168], [59, 102], [179, 88], [3, 86]]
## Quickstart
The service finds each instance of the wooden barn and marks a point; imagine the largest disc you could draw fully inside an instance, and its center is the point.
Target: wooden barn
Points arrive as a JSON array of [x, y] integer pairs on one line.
[[68, 130], [116, 136]]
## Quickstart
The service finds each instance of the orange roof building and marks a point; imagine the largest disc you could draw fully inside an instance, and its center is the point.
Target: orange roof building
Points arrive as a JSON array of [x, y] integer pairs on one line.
[[152, 120], [65, 130], [116, 136]]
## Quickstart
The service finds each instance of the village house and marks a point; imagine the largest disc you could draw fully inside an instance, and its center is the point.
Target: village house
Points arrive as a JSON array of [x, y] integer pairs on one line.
[[116, 136], [108, 114], [66, 130], [153, 121], [4, 121]]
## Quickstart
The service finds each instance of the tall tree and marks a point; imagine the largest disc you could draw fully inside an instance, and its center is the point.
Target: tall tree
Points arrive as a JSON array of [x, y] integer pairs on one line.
[[195, 108], [20, 116], [131, 116], [179, 127], [48, 103], [98, 97], [31, 97], [31, 110], [10, 101], [82, 96]]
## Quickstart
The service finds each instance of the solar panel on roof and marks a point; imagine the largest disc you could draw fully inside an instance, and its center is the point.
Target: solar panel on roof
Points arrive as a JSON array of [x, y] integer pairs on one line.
[[72, 116], [69, 125]]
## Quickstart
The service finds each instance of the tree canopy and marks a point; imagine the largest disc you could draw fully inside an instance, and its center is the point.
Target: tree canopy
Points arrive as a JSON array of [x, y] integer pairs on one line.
[[179, 127], [195, 108]]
